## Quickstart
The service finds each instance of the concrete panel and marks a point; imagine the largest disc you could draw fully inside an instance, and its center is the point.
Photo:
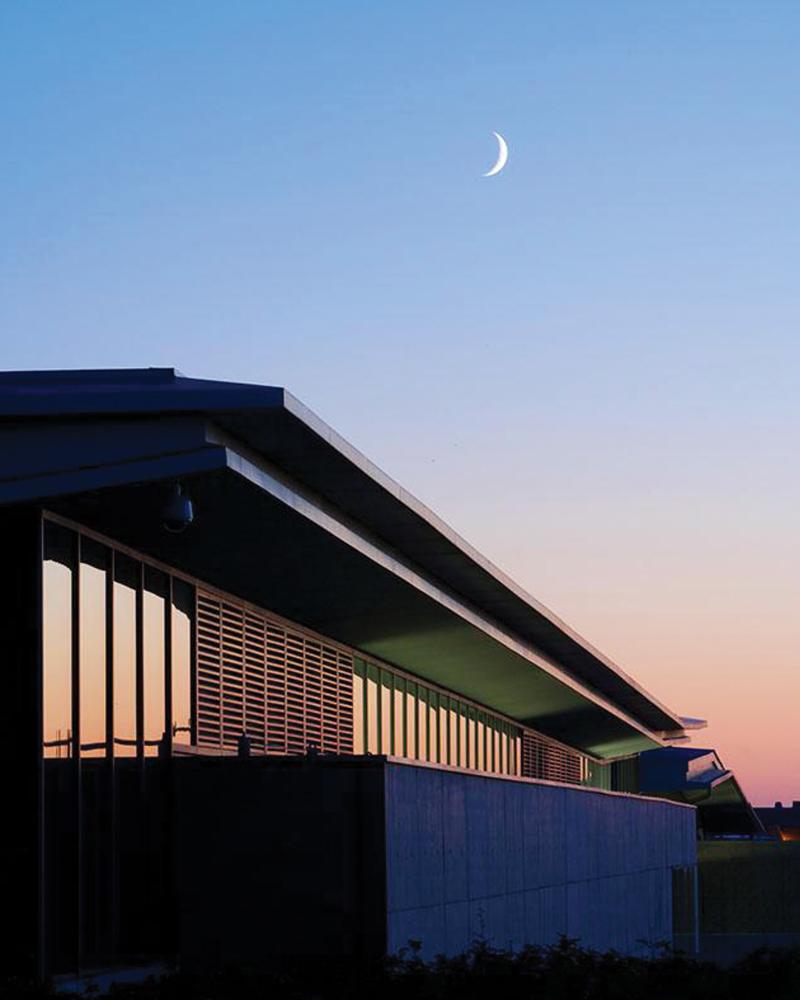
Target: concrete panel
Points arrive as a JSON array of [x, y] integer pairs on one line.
[[523, 862], [478, 821], [513, 846], [430, 860], [515, 923], [552, 914], [455, 847], [457, 925]]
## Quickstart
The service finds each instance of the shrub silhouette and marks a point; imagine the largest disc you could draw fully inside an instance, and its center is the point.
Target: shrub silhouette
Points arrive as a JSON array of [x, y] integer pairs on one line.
[[564, 971]]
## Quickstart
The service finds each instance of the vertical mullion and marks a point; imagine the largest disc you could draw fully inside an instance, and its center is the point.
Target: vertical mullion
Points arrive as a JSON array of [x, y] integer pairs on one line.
[[392, 736], [113, 804], [140, 662], [166, 746], [433, 726], [220, 674], [166, 789], [403, 735], [365, 696], [442, 728], [76, 751], [76, 649], [193, 632], [265, 681], [379, 707], [285, 658], [40, 960], [110, 566]]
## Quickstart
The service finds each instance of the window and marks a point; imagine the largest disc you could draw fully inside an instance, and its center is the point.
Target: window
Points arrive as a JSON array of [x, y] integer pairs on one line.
[[373, 705], [92, 648], [433, 727], [99, 607], [452, 714], [386, 712], [182, 614], [153, 678], [127, 574], [358, 707], [399, 717], [444, 737], [422, 723], [396, 715], [411, 720], [58, 585], [472, 758]]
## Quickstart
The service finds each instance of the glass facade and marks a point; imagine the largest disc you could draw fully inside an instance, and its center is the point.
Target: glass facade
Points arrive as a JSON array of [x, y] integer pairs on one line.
[[117, 652], [154, 665], [92, 647], [119, 668], [400, 717], [127, 575], [182, 644], [58, 597], [139, 662], [615, 776]]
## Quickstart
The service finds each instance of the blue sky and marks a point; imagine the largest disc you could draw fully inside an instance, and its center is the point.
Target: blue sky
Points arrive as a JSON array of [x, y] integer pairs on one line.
[[588, 364]]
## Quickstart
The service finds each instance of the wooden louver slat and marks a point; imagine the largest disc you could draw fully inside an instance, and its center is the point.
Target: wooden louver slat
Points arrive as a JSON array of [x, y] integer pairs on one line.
[[543, 758], [256, 674]]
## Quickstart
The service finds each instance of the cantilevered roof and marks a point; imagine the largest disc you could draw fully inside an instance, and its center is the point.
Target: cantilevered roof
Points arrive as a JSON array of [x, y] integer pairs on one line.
[[697, 775], [68, 432]]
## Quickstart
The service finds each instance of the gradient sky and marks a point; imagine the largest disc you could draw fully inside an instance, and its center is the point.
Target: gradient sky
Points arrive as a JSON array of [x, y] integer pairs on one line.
[[588, 365]]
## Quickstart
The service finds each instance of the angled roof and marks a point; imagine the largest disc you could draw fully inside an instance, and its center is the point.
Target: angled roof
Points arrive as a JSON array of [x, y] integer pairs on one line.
[[697, 775], [268, 423]]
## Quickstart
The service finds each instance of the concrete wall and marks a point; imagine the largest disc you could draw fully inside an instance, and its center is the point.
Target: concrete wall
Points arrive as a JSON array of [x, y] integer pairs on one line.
[[749, 897], [277, 858], [521, 862]]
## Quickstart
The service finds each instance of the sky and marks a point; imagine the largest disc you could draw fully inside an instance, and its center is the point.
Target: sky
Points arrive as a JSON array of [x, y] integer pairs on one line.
[[587, 365]]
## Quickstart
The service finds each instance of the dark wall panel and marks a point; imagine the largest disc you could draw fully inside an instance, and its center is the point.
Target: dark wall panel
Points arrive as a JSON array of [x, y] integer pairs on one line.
[[20, 735], [278, 859]]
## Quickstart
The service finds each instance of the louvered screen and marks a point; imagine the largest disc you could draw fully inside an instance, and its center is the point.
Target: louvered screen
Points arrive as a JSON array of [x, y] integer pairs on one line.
[[284, 687], [542, 758]]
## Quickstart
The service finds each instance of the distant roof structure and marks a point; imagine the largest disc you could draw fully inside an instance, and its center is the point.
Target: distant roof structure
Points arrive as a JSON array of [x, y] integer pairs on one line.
[[780, 820], [68, 434], [697, 776]]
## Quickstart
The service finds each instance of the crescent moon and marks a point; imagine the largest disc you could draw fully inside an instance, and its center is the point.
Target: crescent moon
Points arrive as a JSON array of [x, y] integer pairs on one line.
[[502, 156]]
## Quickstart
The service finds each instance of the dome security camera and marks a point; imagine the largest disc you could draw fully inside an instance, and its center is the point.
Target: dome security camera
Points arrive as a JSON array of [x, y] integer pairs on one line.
[[178, 513]]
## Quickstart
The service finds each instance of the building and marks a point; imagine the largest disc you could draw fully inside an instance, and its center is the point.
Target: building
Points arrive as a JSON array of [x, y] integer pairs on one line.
[[781, 821], [698, 776], [315, 720]]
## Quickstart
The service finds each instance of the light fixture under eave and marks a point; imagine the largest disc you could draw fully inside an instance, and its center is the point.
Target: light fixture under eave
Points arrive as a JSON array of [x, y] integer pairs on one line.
[[178, 512]]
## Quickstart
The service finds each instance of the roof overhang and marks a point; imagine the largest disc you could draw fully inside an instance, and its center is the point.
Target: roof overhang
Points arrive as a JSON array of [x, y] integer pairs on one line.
[[294, 519], [697, 776]]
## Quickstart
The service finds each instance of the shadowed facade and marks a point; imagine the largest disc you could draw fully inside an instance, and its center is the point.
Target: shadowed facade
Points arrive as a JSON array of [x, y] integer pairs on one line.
[[310, 607]]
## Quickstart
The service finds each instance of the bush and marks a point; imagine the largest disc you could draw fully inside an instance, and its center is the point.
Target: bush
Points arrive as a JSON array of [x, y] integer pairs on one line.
[[564, 971]]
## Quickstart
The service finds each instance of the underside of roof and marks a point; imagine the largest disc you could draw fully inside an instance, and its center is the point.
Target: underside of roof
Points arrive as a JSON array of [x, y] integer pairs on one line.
[[292, 517]]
